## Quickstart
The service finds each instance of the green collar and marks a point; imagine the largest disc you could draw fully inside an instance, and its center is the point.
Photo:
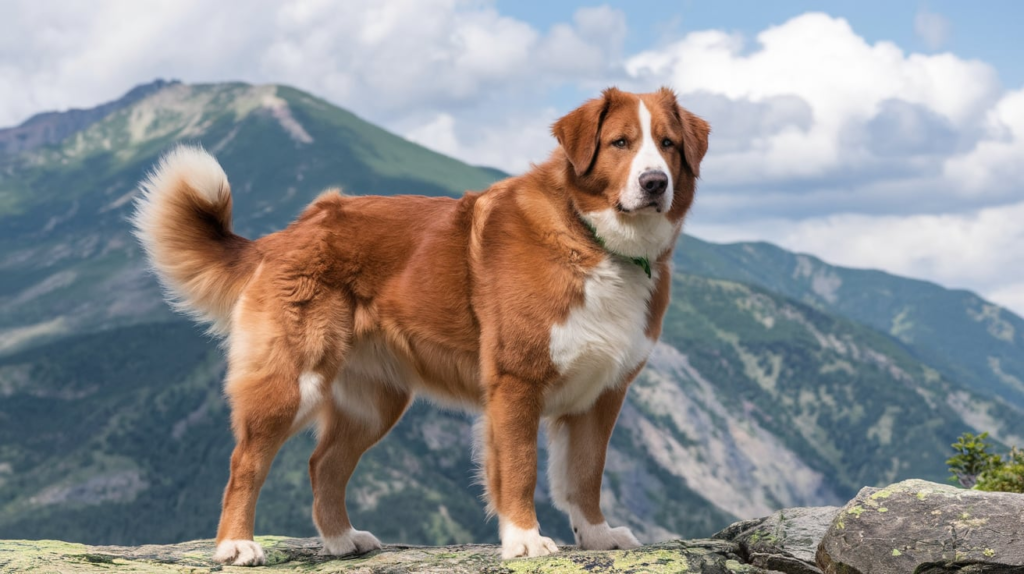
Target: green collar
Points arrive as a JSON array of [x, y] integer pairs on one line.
[[641, 262]]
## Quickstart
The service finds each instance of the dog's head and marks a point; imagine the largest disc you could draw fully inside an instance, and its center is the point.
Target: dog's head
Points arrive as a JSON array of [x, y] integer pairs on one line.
[[633, 160]]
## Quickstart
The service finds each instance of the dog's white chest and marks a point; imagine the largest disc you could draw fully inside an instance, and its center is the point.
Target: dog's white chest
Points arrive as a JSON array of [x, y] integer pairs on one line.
[[603, 340]]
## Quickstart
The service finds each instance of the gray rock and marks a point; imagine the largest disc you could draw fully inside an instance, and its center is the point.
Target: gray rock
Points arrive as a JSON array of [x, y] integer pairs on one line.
[[922, 527], [785, 541]]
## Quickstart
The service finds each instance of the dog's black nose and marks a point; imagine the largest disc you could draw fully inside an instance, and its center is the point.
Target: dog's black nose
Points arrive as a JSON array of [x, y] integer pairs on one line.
[[654, 182]]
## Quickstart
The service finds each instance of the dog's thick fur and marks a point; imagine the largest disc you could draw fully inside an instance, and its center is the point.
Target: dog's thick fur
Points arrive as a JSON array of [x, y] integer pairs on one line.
[[523, 302]]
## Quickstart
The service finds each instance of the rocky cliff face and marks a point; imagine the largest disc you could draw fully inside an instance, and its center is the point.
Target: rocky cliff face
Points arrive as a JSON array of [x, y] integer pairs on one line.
[[956, 332]]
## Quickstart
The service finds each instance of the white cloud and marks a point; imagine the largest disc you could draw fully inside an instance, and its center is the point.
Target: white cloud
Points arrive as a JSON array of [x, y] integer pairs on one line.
[[933, 29], [80, 54], [996, 165], [511, 143], [385, 56], [842, 78], [439, 135], [382, 59], [589, 49], [1010, 296]]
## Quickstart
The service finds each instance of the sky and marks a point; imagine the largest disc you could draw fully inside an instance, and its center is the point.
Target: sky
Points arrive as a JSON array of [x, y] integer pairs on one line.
[[871, 134]]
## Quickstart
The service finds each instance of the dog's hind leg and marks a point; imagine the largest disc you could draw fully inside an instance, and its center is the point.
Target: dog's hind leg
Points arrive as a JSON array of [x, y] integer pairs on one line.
[[263, 416], [362, 412]]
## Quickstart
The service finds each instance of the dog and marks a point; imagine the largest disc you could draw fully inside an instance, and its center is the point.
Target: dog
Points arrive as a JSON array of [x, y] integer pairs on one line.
[[538, 299]]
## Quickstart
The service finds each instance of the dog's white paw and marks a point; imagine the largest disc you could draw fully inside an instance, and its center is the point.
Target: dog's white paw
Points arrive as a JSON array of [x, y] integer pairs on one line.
[[517, 542], [239, 553], [352, 542], [603, 537]]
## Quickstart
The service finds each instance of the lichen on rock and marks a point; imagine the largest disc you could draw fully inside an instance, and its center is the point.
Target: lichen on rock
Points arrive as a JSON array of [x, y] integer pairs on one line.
[[925, 527], [304, 555], [784, 542]]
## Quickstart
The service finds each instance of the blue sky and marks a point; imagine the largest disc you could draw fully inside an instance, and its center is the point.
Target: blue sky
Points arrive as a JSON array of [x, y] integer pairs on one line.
[[872, 134], [990, 30]]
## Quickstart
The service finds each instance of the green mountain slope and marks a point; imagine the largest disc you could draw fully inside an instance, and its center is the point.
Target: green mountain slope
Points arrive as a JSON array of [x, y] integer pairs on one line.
[[965, 337], [770, 388]]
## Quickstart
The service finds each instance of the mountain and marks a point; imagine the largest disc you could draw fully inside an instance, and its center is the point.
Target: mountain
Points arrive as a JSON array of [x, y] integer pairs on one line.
[[965, 337], [770, 388], [50, 128]]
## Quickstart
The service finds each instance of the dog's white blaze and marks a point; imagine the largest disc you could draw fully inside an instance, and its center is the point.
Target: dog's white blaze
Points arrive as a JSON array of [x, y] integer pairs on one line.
[[602, 340], [647, 158]]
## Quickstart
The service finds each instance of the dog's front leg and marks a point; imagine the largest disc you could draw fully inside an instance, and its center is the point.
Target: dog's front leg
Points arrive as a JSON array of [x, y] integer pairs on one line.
[[576, 455], [512, 420]]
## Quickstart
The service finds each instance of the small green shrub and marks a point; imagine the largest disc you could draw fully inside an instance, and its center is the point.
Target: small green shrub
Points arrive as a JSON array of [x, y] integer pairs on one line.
[[1007, 476], [972, 458], [975, 466]]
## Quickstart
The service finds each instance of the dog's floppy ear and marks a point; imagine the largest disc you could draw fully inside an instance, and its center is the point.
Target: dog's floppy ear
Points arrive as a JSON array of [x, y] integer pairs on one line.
[[695, 131], [577, 132], [695, 139]]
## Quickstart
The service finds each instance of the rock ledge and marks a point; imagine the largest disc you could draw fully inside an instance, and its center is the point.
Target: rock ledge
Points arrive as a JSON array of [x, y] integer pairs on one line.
[[303, 555], [912, 527]]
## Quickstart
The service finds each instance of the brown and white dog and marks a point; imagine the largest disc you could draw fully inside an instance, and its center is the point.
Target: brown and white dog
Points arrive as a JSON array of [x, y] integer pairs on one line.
[[537, 299]]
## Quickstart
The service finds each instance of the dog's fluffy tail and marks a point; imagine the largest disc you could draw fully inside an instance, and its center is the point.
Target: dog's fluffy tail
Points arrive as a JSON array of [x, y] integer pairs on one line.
[[183, 219]]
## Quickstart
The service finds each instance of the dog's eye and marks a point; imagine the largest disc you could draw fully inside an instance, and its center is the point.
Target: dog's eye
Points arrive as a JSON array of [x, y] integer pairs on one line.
[[666, 143], [621, 142]]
